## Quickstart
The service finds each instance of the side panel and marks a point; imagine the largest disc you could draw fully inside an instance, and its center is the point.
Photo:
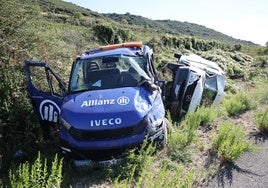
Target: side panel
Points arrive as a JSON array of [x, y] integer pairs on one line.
[[46, 91]]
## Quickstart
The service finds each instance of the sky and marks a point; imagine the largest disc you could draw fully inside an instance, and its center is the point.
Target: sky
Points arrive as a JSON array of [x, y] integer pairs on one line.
[[241, 19]]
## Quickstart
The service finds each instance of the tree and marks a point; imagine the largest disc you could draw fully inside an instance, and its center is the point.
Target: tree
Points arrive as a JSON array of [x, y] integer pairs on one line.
[[105, 33], [237, 47]]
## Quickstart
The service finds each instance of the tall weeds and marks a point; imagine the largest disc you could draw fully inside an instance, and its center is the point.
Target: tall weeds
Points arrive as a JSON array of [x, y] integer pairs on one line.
[[238, 103], [185, 133], [147, 170], [261, 119], [39, 174], [231, 142]]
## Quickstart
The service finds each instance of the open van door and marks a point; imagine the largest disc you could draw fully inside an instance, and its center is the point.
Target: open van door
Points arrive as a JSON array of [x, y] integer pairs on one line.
[[46, 92]]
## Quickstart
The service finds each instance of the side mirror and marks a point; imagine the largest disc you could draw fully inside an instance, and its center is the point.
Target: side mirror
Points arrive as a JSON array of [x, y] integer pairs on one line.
[[177, 55]]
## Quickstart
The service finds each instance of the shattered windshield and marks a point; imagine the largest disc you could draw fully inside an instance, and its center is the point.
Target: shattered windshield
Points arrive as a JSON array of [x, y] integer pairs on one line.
[[108, 72]]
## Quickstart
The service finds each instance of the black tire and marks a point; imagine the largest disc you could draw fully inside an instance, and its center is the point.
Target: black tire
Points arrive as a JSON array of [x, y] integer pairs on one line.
[[162, 140]]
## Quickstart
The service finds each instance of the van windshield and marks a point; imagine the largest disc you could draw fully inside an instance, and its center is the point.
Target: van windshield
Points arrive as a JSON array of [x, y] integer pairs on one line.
[[107, 73]]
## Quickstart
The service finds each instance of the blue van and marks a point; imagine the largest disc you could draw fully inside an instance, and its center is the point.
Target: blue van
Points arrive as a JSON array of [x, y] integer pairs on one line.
[[113, 101]]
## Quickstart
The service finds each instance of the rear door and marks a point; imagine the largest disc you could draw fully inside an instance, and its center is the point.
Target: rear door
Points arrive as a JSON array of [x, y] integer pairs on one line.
[[46, 91]]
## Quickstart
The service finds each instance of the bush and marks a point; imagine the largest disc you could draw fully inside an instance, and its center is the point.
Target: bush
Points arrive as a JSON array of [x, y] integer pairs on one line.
[[205, 115], [105, 33], [185, 134], [261, 119], [180, 139], [164, 178], [260, 91], [237, 104], [135, 163], [19, 128], [231, 142], [178, 145], [37, 174], [148, 176]]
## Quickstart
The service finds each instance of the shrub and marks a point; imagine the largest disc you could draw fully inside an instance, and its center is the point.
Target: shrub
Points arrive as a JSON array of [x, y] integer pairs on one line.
[[135, 162], [19, 127], [185, 134], [234, 71], [231, 142], [180, 139], [37, 174], [260, 91], [164, 176], [178, 145], [238, 103], [105, 33], [261, 119], [205, 115]]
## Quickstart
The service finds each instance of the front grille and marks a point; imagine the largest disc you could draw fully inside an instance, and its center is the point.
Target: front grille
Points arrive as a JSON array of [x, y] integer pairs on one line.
[[188, 96], [104, 134], [98, 155]]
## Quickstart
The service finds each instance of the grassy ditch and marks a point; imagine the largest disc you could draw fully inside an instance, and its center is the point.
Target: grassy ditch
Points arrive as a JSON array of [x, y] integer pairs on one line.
[[197, 146]]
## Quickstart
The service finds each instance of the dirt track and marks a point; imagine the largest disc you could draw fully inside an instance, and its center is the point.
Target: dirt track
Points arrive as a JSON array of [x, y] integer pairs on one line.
[[251, 170]]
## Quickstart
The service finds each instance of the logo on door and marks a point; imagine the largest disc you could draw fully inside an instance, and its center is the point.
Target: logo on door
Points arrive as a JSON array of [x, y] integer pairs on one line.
[[49, 111], [123, 100]]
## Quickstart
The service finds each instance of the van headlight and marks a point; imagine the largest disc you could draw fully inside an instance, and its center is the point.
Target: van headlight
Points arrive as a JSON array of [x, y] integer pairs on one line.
[[193, 78], [153, 123], [64, 124], [154, 119]]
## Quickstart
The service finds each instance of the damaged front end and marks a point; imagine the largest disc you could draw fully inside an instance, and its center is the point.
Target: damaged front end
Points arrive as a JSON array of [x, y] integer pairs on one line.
[[196, 81]]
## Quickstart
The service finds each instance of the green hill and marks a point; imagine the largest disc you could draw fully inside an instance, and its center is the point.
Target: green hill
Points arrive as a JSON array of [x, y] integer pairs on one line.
[[177, 27], [168, 26]]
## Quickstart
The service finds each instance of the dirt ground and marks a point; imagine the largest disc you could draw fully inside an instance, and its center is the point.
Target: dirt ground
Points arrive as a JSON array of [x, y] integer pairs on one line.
[[251, 170], [248, 171]]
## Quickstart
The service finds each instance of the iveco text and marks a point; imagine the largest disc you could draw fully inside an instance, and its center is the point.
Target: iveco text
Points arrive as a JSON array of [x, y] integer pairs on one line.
[[104, 122]]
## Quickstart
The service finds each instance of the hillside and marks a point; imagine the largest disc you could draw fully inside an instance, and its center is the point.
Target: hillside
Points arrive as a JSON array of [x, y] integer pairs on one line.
[[54, 32], [167, 26], [177, 27]]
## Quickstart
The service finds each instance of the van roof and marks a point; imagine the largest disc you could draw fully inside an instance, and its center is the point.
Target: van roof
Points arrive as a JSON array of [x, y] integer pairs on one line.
[[129, 48]]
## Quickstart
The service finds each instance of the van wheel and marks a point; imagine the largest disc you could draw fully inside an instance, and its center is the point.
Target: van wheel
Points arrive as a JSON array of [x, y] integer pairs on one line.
[[162, 140]]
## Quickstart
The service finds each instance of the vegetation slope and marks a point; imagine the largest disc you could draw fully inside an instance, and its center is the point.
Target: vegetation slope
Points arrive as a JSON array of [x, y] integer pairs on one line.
[[54, 31]]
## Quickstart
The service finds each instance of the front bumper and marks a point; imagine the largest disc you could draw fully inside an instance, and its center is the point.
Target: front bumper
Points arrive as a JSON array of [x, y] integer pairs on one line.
[[98, 149], [104, 149]]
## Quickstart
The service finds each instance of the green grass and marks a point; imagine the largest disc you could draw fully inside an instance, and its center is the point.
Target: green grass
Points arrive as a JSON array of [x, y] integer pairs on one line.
[[261, 119], [231, 142], [37, 174], [148, 171], [238, 104], [185, 133]]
